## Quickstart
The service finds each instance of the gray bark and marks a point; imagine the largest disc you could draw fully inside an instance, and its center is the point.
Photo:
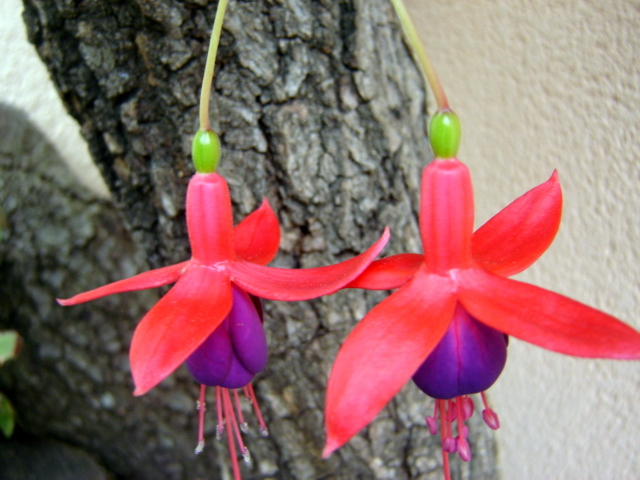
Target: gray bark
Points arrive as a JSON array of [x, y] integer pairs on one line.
[[320, 109]]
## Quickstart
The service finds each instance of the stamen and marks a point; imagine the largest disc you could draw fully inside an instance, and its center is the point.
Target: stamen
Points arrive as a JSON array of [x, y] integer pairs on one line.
[[264, 431], [467, 407], [233, 455], [443, 435], [230, 415], [488, 415], [202, 407], [464, 450], [432, 422], [243, 425], [461, 440], [221, 420]]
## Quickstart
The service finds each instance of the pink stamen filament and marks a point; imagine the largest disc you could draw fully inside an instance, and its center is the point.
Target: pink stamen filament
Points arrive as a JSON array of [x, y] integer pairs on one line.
[[243, 425], [231, 417], [202, 407], [488, 415], [432, 422], [226, 414], [462, 445], [234, 456], [458, 410], [264, 431], [220, 426], [444, 434]]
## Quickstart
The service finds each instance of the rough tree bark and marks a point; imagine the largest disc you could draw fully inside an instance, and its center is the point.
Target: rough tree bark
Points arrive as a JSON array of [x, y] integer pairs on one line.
[[320, 109]]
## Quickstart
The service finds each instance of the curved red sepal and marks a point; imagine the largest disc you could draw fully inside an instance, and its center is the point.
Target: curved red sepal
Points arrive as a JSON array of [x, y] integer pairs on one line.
[[256, 238], [151, 279], [303, 284], [521, 232], [545, 318], [388, 273], [383, 352], [178, 324]]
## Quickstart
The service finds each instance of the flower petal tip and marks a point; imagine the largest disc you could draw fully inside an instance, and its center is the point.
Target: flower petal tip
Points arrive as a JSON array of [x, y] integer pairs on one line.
[[64, 302], [140, 388], [331, 446], [137, 392]]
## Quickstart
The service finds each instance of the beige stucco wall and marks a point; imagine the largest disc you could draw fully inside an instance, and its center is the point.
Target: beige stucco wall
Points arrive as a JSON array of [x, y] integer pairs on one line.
[[541, 85], [538, 85], [25, 84]]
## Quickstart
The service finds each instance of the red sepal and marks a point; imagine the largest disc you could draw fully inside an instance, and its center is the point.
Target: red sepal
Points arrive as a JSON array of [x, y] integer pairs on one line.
[[388, 273], [178, 324], [383, 352], [256, 238], [545, 318], [521, 232], [302, 284], [150, 279]]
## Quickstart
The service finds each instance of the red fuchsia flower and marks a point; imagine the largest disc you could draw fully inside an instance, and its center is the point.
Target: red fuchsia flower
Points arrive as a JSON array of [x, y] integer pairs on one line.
[[211, 318], [447, 324]]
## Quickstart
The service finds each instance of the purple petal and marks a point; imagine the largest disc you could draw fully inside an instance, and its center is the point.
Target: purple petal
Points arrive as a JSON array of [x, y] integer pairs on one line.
[[468, 359], [236, 351], [238, 376], [247, 334], [210, 363]]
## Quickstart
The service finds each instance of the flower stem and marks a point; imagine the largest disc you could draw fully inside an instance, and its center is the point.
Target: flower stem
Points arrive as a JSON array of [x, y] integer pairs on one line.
[[207, 80], [420, 53]]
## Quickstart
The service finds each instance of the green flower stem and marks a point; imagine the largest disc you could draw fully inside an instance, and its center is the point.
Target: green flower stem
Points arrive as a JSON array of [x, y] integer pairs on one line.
[[421, 54], [207, 80]]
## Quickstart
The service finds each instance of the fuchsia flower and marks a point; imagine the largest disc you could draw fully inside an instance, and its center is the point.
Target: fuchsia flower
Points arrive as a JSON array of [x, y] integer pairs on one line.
[[224, 260], [447, 324], [211, 318]]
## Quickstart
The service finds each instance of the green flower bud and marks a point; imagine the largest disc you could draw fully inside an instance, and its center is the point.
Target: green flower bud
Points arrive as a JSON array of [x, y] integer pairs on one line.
[[444, 133], [205, 151]]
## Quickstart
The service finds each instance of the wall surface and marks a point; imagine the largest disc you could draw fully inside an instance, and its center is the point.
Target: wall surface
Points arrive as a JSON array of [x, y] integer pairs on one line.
[[545, 85], [538, 85], [25, 84]]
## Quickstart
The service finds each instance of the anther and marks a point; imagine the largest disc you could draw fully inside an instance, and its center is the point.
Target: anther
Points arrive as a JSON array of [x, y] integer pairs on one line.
[[199, 447], [488, 415], [433, 425], [449, 445], [463, 448], [491, 419], [467, 407], [246, 456]]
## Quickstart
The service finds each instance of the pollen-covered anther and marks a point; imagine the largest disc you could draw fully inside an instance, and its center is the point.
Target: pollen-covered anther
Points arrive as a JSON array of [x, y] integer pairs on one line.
[[463, 448], [467, 407], [491, 419], [449, 445], [432, 423], [199, 447], [246, 456], [488, 415]]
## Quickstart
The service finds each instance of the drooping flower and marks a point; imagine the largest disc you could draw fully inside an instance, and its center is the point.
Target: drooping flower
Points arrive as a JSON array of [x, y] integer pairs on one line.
[[447, 324], [222, 257], [211, 318]]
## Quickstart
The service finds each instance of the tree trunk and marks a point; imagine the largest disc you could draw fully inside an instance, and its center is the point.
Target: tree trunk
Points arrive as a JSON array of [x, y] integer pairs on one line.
[[319, 107]]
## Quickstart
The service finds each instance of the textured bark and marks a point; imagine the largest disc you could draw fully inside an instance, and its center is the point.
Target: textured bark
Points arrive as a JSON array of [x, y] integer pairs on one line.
[[320, 108]]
